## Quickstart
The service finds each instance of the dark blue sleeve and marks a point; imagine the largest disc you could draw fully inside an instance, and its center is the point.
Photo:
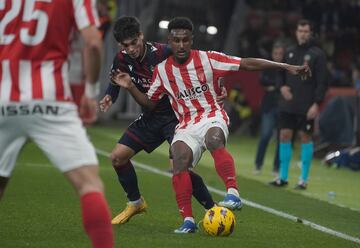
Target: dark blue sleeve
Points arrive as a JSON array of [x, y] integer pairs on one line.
[[113, 89]]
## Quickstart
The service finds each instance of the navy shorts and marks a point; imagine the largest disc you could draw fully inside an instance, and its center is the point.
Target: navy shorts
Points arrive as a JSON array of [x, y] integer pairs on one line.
[[295, 122], [148, 132]]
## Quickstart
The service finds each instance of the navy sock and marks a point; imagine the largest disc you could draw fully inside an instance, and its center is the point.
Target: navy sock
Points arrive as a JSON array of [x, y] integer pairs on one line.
[[128, 180], [200, 191]]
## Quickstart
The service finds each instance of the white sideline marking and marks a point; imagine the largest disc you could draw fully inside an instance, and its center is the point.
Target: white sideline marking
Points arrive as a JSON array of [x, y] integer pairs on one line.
[[250, 203]]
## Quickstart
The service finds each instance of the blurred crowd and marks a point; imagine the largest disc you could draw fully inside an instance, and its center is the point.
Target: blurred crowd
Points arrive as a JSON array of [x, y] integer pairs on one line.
[[336, 24]]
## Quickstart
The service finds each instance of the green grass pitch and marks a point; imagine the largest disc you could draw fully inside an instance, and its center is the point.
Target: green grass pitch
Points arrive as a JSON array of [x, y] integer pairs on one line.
[[40, 209]]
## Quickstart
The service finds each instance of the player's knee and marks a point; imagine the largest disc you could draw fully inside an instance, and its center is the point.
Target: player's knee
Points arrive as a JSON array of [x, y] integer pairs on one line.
[[118, 160], [285, 136], [213, 144], [181, 162]]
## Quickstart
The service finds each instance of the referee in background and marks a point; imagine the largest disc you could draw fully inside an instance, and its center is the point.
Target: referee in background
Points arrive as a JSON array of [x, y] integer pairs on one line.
[[299, 103]]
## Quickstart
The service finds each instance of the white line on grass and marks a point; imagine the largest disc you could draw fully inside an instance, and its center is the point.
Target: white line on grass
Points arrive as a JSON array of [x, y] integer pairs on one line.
[[250, 203]]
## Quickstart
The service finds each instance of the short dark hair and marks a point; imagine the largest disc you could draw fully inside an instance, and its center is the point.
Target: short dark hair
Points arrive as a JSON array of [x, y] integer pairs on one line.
[[180, 23], [304, 22], [126, 27]]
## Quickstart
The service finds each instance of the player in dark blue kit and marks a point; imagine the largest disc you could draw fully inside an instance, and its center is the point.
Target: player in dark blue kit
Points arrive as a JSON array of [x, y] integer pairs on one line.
[[138, 58]]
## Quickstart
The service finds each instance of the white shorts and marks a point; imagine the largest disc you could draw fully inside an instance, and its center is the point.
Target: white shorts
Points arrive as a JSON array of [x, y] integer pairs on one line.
[[194, 135], [55, 127]]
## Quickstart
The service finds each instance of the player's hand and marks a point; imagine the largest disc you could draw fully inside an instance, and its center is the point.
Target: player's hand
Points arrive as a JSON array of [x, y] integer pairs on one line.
[[312, 112], [88, 110], [105, 103], [302, 70], [286, 92], [220, 99], [121, 78]]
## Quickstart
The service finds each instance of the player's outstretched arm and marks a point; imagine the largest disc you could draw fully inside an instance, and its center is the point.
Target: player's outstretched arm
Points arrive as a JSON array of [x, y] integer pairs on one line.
[[255, 64], [123, 79]]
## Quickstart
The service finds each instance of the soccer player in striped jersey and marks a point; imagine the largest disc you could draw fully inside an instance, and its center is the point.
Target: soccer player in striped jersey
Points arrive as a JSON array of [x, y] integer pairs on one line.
[[139, 58], [36, 102], [191, 80]]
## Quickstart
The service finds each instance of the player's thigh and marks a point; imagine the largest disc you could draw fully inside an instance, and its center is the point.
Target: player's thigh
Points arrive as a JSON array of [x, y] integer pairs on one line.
[[143, 134], [216, 133], [12, 139], [182, 156], [287, 123], [306, 128], [192, 141], [63, 139]]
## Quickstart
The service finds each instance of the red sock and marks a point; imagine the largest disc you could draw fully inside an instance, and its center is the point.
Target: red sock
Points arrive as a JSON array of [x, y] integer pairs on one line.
[[183, 190], [224, 165], [96, 220]]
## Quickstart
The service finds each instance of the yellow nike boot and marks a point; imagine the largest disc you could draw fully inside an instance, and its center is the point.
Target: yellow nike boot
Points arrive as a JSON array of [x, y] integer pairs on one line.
[[130, 210]]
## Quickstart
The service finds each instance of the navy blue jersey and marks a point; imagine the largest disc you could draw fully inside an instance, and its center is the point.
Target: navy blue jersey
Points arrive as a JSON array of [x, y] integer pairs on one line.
[[141, 71]]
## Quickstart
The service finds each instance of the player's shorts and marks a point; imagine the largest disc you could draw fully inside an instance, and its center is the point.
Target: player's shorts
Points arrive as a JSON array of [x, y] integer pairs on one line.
[[55, 127], [295, 122], [148, 132], [194, 135]]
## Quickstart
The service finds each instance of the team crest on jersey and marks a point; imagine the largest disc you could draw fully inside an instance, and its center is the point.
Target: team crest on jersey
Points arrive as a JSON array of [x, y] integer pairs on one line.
[[291, 55], [192, 93]]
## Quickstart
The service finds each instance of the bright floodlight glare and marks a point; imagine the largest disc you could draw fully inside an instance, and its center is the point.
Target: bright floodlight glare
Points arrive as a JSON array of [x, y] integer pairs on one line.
[[212, 30], [163, 24]]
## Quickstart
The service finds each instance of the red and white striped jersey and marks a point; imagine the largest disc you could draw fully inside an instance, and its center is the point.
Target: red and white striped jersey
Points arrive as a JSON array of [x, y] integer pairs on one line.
[[193, 86], [34, 46]]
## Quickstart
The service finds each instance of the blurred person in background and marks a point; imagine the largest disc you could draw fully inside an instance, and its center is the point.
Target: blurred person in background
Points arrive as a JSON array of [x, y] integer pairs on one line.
[[269, 110], [299, 103], [36, 101]]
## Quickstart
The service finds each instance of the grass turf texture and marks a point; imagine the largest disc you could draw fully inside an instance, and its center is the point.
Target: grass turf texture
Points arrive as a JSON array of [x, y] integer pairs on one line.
[[40, 209]]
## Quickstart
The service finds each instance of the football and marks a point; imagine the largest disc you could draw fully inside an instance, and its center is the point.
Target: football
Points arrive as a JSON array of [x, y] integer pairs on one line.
[[219, 221]]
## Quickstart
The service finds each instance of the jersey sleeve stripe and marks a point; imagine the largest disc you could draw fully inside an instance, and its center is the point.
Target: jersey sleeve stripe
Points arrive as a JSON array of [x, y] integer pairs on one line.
[[225, 65]]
